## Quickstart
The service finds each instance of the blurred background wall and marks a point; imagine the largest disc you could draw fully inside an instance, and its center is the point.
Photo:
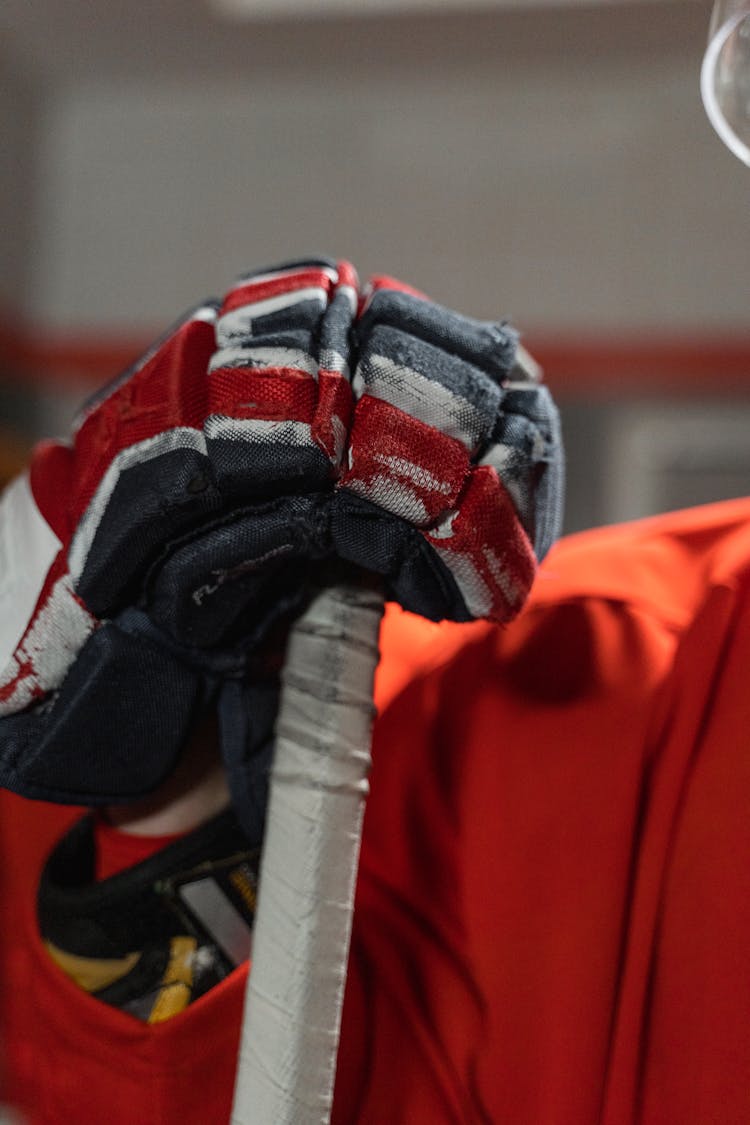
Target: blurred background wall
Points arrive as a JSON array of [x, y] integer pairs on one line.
[[549, 162]]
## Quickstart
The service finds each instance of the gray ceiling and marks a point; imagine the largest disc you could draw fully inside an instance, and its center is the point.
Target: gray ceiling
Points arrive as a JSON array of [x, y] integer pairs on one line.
[[67, 41]]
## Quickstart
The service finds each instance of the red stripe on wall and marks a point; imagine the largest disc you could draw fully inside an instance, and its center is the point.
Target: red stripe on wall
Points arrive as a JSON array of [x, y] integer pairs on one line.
[[600, 365], [66, 358], [643, 363]]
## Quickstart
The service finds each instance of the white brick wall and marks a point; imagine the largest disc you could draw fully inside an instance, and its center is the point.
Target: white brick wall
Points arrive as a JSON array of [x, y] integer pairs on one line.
[[572, 184]]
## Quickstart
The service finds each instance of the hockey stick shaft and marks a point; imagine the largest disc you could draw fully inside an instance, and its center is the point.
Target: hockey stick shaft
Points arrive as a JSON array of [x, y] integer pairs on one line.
[[319, 786]]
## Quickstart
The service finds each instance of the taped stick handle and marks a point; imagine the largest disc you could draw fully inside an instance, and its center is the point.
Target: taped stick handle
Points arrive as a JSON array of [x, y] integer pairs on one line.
[[319, 786]]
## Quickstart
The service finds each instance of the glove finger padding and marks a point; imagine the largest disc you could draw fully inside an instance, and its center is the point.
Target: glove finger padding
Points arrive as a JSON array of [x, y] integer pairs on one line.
[[451, 440], [279, 394], [280, 404]]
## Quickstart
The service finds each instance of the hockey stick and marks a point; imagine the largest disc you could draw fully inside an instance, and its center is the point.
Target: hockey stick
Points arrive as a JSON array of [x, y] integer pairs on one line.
[[290, 1033]]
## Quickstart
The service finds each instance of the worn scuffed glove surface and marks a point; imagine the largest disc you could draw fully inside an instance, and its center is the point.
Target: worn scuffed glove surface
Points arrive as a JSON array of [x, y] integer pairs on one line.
[[454, 441], [145, 562]]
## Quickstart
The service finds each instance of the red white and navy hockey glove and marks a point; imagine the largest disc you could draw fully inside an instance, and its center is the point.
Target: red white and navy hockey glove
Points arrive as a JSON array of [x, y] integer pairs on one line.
[[145, 562]]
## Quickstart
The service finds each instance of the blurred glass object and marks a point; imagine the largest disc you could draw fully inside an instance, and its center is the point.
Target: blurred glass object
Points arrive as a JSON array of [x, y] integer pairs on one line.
[[725, 75]]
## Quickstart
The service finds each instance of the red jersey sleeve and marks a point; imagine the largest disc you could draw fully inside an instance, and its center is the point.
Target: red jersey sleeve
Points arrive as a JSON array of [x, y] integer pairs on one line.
[[567, 834]]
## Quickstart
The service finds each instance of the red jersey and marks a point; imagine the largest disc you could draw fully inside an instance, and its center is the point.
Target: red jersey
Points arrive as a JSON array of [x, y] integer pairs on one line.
[[553, 910]]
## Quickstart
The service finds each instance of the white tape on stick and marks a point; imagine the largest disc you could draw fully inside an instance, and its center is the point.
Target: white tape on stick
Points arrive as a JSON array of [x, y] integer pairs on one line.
[[319, 786]]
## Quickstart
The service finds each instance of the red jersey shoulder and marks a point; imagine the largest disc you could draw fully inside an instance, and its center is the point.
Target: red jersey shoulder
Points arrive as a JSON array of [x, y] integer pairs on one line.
[[606, 613], [662, 565]]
